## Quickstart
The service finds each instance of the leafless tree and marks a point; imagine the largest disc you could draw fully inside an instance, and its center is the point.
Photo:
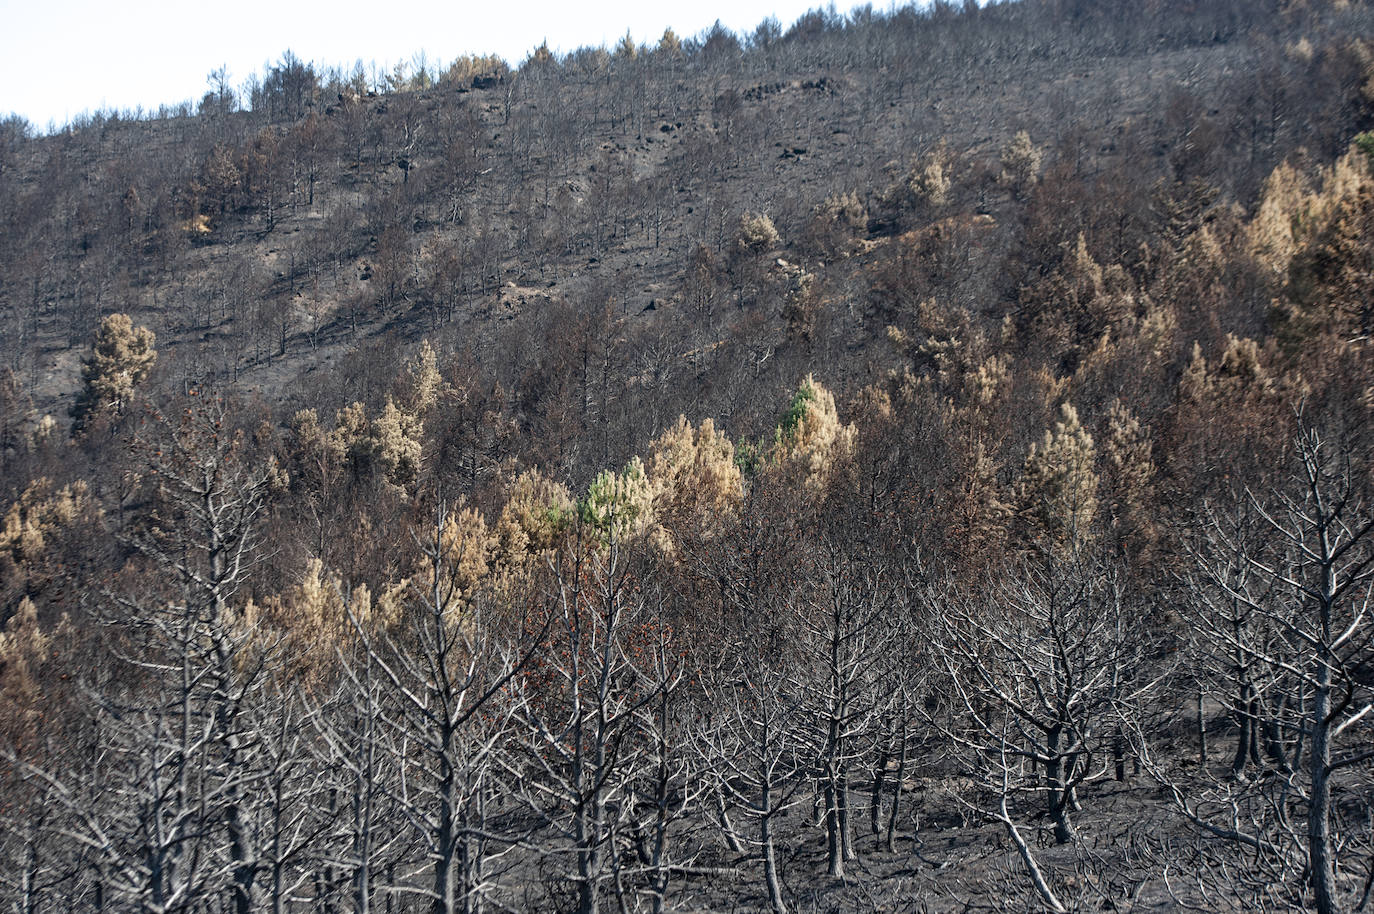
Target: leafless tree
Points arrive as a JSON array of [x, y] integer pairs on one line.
[[1040, 665], [907, 676], [290, 814], [758, 726], [1306, 583], [163, 803], [757, 737], [445, 673], [211, 499], [352, 746], [581, 709], [1223, 588], [845, 629], [668, 787], [148, 815]]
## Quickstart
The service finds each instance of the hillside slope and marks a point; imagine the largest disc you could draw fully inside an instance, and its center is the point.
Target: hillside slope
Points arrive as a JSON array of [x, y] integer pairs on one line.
[[910, 461]]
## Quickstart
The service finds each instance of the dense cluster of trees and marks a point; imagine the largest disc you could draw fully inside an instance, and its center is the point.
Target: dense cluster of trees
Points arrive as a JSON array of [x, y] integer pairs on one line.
[[657, 476], [530, 699]]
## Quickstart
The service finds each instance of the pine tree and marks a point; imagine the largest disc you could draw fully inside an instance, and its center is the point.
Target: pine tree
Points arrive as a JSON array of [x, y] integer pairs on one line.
[[536, 513], [1059, 484], [120, 359], [811, 436], [694, 479], [619, 505], [1021, 161]]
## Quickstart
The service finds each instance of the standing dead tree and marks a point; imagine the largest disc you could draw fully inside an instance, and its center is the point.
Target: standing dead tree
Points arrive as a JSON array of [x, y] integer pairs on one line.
[[579, 714], [669, 785], [760, 707], [210, 498], [1306, 583], [1048, 645], [844, 626], [907, 675], [445, 670], [163, 803], [1038, 666], [1223, 590], [353, 747], [760, 737]]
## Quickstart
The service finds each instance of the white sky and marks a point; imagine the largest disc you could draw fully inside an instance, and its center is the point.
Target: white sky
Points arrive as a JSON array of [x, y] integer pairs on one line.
[[59, 58]]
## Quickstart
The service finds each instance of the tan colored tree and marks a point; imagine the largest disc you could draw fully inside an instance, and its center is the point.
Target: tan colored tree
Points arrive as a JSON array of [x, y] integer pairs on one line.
[[351, 439], [541, 56], [536, 513], [422, 384], [928, 181], [1130, 476], [978, 504], [924, 186], [1329, 287], [836, 224], [811, 437], [1240, 371], [1310, 238], [757, 233], [1274, 231], [1058, 486], [23, 648], [695, 483], [803, 303], [35, 516], [1021, 161], [121, 357], [625, 48], [38, 532], [316, 456], [467, 67], [393, 443], [670, 44], [467, 545], [312, 618], [398, 444]]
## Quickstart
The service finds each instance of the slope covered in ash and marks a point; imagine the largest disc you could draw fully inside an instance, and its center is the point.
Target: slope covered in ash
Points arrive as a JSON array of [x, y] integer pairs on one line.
[[903, 461]]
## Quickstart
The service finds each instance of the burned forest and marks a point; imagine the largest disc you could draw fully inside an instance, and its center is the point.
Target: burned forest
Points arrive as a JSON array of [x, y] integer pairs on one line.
[[916, 460]]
